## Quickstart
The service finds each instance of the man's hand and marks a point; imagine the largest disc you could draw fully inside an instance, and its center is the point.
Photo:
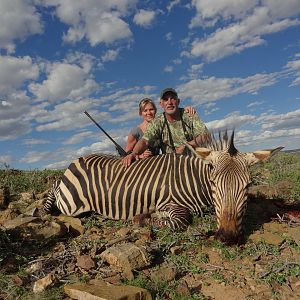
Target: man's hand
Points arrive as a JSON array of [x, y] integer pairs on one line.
[[146, 154], [126, 161], [180, 149]]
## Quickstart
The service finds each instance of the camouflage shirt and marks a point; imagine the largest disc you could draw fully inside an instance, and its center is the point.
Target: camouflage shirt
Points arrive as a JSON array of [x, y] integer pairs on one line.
[[157, 131]]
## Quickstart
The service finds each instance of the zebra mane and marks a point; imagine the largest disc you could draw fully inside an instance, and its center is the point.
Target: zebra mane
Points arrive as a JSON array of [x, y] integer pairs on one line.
[[219, 141]]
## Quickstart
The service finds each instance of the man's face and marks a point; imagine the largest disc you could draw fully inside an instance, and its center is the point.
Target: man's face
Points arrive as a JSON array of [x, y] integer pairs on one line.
[[169, 103]]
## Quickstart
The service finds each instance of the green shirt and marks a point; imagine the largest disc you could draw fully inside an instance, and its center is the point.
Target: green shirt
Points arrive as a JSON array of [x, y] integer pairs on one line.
[[157, 131]]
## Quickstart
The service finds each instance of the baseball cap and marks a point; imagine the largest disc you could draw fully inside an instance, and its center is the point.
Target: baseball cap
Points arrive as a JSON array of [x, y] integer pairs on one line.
[[167, 90]]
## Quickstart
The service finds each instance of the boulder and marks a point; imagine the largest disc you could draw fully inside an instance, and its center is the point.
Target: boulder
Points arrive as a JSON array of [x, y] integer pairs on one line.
[[99, 290], [128, 257]]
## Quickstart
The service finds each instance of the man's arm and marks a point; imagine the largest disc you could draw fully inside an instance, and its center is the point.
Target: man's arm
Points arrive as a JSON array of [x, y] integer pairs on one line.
[[139, 148]]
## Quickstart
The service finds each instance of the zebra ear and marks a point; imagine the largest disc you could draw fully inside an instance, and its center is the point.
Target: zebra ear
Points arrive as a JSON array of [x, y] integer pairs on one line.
[[205, 153], [261, 155]]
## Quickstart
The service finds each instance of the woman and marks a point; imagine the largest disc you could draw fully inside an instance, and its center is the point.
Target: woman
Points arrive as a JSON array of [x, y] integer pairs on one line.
[[147, 111]]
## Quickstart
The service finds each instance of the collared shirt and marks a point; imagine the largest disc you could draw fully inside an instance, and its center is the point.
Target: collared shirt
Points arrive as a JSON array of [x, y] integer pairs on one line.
[[157, 130]]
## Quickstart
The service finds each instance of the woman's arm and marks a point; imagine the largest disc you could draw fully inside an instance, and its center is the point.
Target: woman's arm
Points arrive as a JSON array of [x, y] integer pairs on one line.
[[131, 142]]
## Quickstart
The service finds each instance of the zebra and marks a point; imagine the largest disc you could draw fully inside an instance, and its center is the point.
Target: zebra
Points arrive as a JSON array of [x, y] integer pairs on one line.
[[163, 190]]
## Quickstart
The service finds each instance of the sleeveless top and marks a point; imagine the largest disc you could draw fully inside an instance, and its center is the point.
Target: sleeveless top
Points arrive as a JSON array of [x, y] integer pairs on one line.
[[154, 146]]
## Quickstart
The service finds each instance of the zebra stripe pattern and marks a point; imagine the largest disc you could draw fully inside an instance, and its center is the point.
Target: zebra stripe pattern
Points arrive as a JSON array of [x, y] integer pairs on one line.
[[170, 185]]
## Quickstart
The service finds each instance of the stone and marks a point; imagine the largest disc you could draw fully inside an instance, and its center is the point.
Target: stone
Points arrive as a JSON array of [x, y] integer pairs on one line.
[[268, 237], [128, 257], [18, 222], [27, 197], [164, 273], [294, 233], [99, 290], [85, 262], [8, 214], [40, 285], [73, 224]]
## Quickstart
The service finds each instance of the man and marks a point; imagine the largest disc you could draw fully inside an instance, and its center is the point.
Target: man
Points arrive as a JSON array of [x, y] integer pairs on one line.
[[171, 129]]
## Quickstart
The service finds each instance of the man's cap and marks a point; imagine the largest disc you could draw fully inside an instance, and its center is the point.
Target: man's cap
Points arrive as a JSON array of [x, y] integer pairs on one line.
[[168, 90]]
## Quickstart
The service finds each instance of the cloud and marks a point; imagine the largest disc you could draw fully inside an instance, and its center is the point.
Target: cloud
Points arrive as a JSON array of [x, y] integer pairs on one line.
[[110, 55], [79, 137], [14, 71], [14, 117], [31, 142], [168, 69], [232, 121], [18, 20], [250, 23], [144, 18], [212, 88], [172, 4], [98, 21], [290, 120], [65, 81]]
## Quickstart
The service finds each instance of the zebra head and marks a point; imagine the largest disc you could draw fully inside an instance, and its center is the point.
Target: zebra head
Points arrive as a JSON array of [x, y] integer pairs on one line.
[[230, 178]]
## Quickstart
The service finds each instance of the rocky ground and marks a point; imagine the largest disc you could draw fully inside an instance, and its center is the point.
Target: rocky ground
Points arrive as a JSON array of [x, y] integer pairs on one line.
[[93, 258]]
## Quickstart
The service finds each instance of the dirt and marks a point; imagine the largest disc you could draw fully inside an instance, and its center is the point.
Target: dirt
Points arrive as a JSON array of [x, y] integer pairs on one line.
[[189, 265]]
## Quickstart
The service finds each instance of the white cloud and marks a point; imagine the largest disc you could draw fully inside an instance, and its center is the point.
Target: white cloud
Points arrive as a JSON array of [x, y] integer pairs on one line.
[[98, 21], [64, 81], [31, 142], [290, 120], [251, 23], [144, 18], [169, 36], [168, 69], [255, 104], [14, 71], [110, 55], [18, 20], [172, 4], [14, 117], [232, 121], [79, 137], [212, 88], [5, 160]]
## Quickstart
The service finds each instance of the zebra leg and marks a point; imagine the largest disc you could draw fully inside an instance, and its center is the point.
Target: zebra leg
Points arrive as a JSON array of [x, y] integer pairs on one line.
[[174, 216], [49, 205]]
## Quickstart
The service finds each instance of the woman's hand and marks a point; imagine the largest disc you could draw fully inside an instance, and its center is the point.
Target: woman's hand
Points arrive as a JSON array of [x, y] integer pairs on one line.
[[127, 160]]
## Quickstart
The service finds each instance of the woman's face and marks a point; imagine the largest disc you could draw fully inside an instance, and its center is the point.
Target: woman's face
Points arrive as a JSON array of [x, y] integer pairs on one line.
[[148, 113]]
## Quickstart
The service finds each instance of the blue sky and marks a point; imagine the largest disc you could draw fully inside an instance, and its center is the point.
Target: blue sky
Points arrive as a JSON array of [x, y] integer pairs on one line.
[[236, 61]]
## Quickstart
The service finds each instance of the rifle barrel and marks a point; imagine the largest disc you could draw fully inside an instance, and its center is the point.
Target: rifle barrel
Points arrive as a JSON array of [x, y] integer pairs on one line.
[[119, 148]]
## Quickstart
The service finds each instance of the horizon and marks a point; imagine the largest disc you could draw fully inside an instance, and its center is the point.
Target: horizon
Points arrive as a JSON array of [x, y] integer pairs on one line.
[[236, 62]]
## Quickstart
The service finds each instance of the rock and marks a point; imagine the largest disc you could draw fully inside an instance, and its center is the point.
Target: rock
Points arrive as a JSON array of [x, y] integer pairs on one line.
[[73, 224], [8, 214], [27, 197], [164, 273], [294, 233], [128, 257], [85, 262], [52, 230], [18, 222], [268, 237], [41, 284], [99, 290], [176, 250], [183, 288]]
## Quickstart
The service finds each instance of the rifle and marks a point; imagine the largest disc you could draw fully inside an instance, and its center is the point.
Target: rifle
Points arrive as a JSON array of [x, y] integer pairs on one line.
[[120, 150]]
